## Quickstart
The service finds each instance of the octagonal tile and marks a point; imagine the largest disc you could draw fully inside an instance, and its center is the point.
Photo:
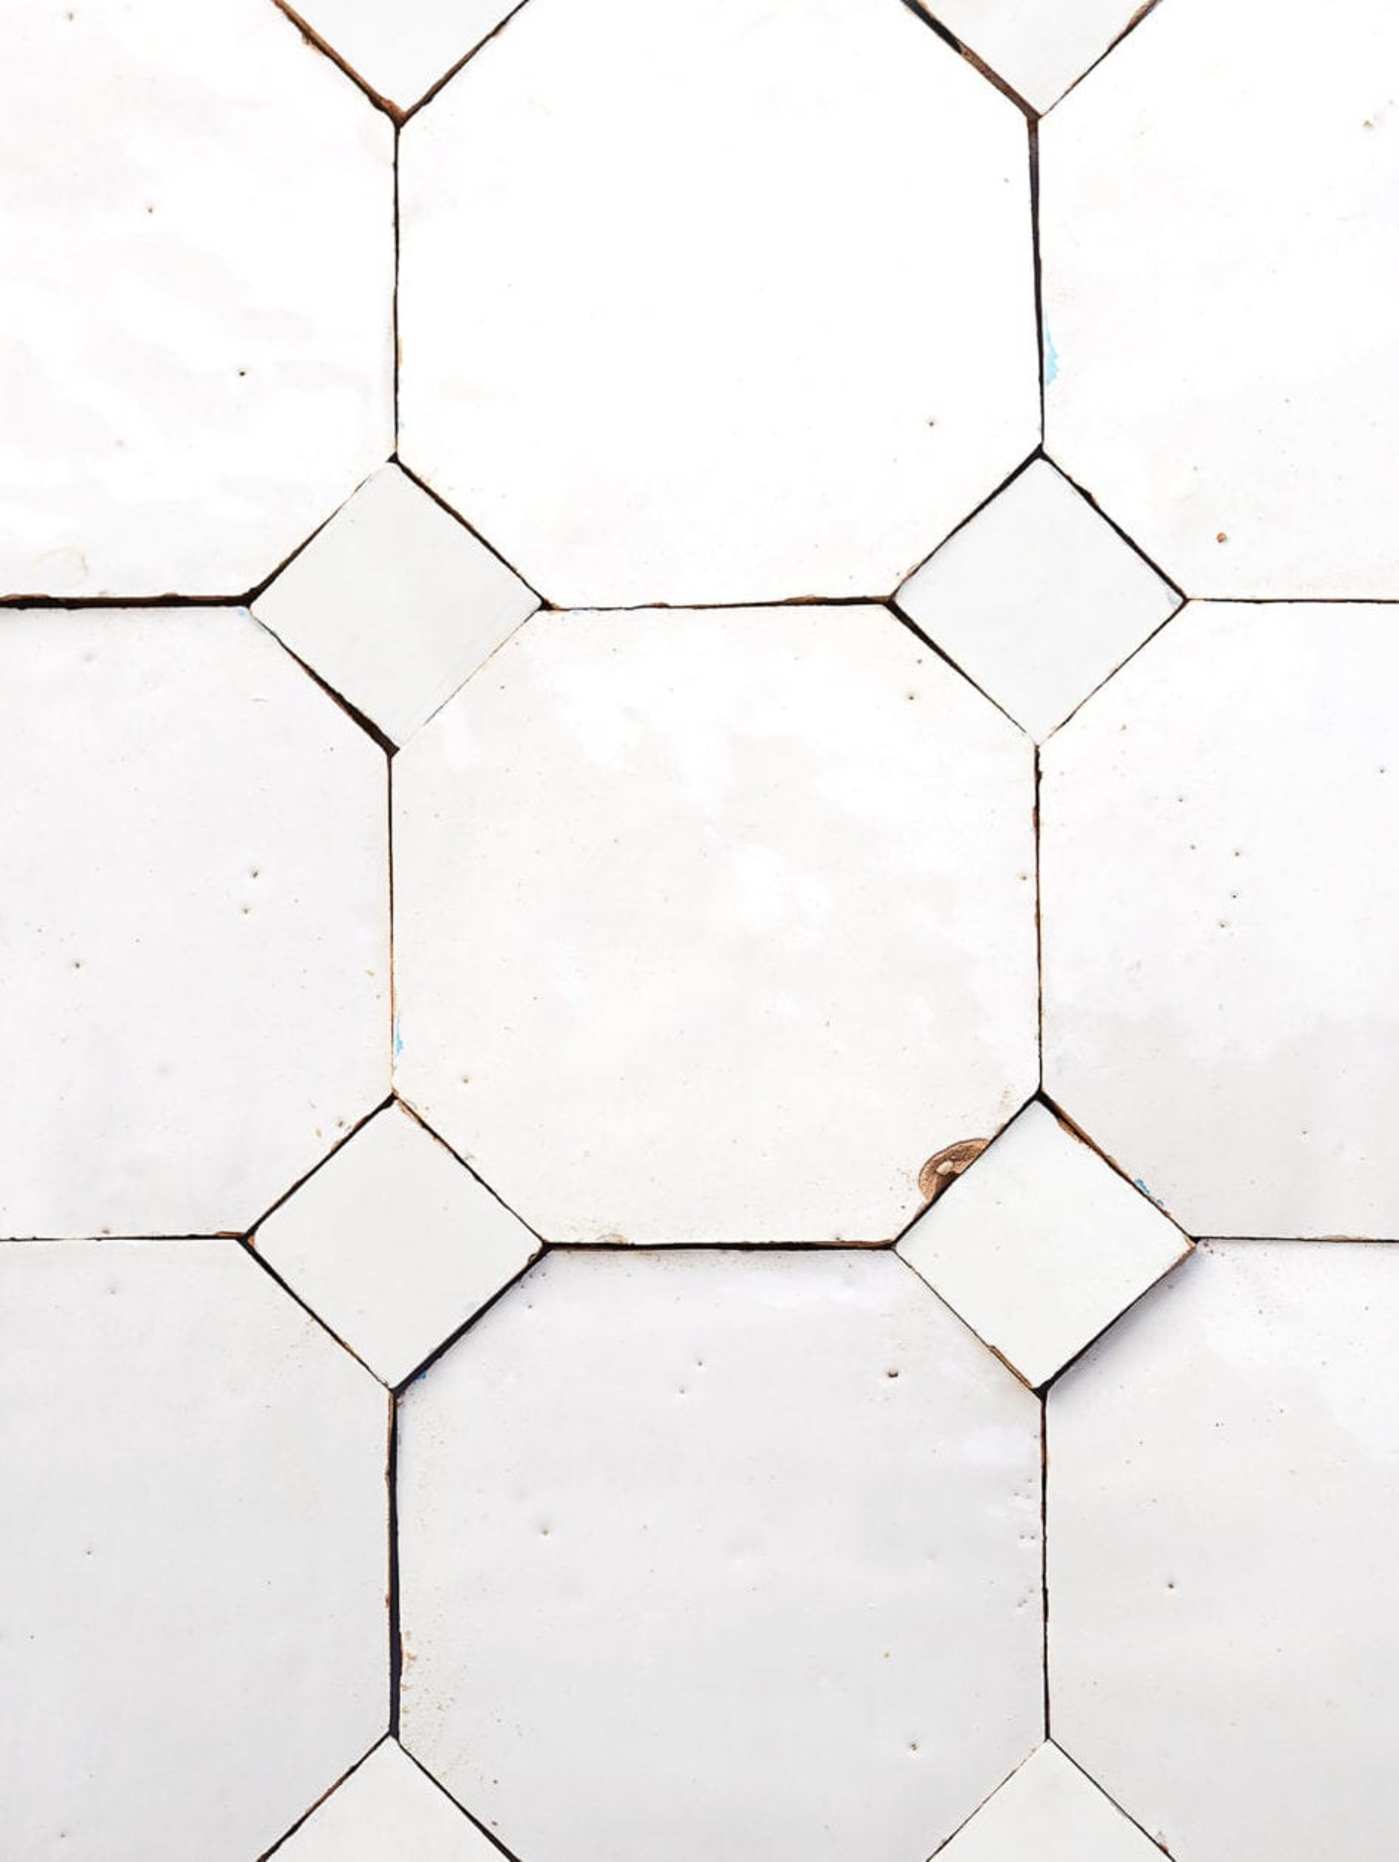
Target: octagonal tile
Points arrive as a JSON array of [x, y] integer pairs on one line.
[[746, 315], [193, 1574], [1223, 1479], [387, 1810], [400, 52], [1038, 599], [766, 944], [194, 941], [1220, 971], [197, 294], [720, 1553], [1038, 47], [1041, 1245], [394, 604], [394, 1244], [1219, 253], [1051, 1812]]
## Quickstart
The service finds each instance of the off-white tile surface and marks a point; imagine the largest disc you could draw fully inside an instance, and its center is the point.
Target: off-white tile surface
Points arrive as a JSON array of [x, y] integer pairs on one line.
[[196, 299], [387, 1811], [394, 1243], [720, 1554], [1050, 1812], [714, 926], [400, 51], [1040, 1244], [1224, 1473], [394, 603], [194, 1553], [1217, 294], [1220, 970], [746, 314], [1037, 599], [1039, 47], [194, 935]]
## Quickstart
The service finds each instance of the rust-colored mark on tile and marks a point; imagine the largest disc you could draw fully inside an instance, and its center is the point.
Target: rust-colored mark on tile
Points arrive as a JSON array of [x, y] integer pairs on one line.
[[946, 1164]]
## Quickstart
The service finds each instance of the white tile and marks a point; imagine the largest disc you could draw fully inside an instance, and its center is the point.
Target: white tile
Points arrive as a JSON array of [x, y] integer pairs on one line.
[[747, 314], [394, 1244], [714, 926], [1037, 599], [1223, 1482], [197, 296], [1220, 967], [1217, 295], [1039, 47], [387, 1811], [401, 51], [1040, 1244], [193, 1572], [722, 1554], [195, 939], [394, 603], [1049, 1812]]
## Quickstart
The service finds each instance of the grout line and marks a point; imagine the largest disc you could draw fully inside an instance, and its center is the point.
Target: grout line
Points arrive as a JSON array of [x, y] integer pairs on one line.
[[466, 523], [287, 1835], [1036, 262], [250, 1231], [447, 76], [491, 1190], [995, 1791], [394, 1591], [245, 1243], [941, 652], [973, 58], [1185, 1254], [397, 267], [1072, 1126], [1036, 452], [1113, 524], [1149, 6], [259, 589], [1039, 928], [327, 50], [951, 1187], [445, 1345], [489, 1835], [352, 711], [1044, 1546], [1155, 1841]]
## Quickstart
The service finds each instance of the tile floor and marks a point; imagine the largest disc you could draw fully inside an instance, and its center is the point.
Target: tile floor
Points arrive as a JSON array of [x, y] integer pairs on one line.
[[697, 728]]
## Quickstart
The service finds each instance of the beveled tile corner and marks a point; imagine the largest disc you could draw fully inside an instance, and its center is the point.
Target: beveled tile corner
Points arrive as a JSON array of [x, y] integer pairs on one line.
[[399, 53], [656, 364], [394, 1244], [394, 604], [720, 1552], [1041, 1245], [1216, 296], [387, 1810], [767, 946], [195, 944], [1038, 598], [1051, 1812], [197, 298], [1223, 1478], [1220, 970], [1038, 47], [194, 1619]]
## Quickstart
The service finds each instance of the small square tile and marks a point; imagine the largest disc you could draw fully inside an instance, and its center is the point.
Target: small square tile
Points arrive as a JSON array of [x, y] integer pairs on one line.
[[1038, 598], [1040, 1245], [1051, 1811], [388, 1810], [394, 1244], [394, 604]]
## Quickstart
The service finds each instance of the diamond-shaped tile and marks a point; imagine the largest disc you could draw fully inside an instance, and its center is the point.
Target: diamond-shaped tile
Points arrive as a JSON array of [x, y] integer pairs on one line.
[[223, 375], [714, 926], [1040, 47], [1221, 970], [195, 1555], [1219, 290], [1049, 1812], [195, 932], [655, 343], [720, 1553], [1223, 1487], [1040, 1244], [401, 51], [1037, 598], [387, 1810], [394, 603], [394, 1244]]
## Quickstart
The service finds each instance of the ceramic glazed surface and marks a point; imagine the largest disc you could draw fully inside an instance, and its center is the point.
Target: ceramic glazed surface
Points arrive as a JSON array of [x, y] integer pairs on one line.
[[697, 799]]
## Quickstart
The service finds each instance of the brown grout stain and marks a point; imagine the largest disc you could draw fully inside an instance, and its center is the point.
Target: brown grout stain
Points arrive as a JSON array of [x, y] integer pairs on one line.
[[945, 1165]]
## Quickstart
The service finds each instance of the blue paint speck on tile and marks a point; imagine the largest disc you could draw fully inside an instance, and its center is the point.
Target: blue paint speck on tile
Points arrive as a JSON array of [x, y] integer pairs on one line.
[[397, 1039], [1051, 358]]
